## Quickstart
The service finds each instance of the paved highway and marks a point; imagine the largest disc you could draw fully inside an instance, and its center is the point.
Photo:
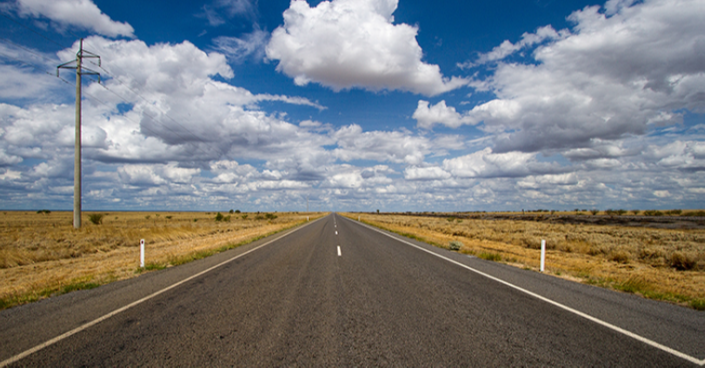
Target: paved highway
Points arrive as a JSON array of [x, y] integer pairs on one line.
[[339, 293]]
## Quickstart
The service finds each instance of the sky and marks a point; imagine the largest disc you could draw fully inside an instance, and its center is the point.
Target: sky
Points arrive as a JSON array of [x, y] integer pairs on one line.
[[355, 105]]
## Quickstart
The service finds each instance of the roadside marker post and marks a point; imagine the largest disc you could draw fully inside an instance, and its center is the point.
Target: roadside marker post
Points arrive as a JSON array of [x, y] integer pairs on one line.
[[543, 254], [141, 253]]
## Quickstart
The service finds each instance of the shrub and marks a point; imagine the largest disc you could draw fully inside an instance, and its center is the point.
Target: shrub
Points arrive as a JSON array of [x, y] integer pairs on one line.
[[455, 245], [635, 212], [620, 256], [231, 211], [270, 216], [653, 213], [594, 211], [96, 218], [674, 212], [219, 217], [681, 261], [244, 216]]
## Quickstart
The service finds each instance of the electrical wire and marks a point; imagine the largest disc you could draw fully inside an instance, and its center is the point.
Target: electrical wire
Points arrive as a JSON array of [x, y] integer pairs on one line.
[[110, 75], [33, 30]]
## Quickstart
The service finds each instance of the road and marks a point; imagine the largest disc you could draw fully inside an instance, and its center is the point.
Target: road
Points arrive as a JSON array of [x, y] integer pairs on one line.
[[336, 292]]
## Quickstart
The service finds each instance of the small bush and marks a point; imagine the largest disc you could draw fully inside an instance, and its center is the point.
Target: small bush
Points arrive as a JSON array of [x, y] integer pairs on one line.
[[594, 211], [244, 216], [455, 245], [682, 261], [96, 218], [270, 216], [653, 213], [635, 212], [219, 217], [620, 256]]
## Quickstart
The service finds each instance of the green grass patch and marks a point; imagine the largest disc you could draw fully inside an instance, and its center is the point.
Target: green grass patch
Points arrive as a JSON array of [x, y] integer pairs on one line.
[[698, 304], [640, 287], [490, 256], [152, 266], [86, 283]]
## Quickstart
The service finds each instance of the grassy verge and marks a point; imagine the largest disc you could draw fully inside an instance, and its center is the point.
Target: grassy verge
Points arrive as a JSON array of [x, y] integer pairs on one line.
[[632, 263], [90, 282], [74, 285]]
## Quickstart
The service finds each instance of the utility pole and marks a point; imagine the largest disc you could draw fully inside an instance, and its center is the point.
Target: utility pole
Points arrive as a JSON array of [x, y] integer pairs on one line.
[[80, 70]]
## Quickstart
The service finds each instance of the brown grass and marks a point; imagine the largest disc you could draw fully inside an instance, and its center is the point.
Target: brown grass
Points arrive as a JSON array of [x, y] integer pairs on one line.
[[655, 263], [42, 254]]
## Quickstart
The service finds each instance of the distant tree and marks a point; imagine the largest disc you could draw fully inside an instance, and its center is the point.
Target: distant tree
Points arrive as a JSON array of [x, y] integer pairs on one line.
[[96, 218], [377, 211], [635, 212], [594, 211], [231, 211], [237, 211]]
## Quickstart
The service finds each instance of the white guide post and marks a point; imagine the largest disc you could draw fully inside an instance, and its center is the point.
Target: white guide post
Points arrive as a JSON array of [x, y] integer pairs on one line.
[[543, 254], [141, 253]]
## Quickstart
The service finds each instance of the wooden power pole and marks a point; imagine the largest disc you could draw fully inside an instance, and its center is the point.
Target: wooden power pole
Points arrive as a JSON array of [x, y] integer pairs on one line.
[[80, 70]]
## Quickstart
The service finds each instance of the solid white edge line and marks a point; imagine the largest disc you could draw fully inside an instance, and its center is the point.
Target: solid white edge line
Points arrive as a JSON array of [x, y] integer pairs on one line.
[[569, 309], [133, 304]]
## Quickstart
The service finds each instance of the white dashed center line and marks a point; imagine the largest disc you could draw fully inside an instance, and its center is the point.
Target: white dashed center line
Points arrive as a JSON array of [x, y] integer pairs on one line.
[[339, 251]]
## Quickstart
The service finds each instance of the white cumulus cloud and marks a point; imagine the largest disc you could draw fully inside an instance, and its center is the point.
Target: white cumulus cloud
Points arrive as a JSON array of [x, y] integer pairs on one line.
[[353, 43], [617, 73], [77, 13]]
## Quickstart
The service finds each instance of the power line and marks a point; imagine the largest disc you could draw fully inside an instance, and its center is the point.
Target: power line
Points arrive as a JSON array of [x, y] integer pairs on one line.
[[194, 136], [151, 103], [123, 98], [32, 30]]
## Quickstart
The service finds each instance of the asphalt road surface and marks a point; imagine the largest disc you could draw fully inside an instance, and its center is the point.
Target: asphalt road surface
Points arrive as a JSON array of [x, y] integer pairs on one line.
[[337, 293]]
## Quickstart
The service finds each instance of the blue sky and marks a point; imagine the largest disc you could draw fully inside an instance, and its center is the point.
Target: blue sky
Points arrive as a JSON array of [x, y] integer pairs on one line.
[[356, 105]]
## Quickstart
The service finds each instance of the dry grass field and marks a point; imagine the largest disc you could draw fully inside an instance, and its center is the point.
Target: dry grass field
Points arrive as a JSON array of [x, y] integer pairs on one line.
[[664, 264], [42, 254]]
